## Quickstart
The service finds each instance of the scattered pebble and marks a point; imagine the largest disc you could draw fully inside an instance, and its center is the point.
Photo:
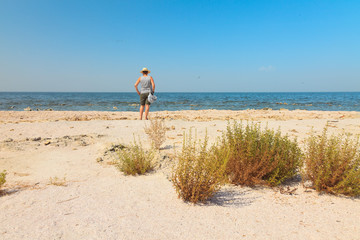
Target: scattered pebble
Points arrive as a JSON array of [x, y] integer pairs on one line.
[[115, 148], [83, 143]]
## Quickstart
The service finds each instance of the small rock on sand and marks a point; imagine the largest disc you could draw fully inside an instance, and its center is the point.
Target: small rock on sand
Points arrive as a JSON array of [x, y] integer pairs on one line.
[[115, 148]]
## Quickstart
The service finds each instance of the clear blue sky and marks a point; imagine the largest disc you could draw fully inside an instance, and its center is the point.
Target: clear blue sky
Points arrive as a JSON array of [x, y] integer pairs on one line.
[[221, 46]]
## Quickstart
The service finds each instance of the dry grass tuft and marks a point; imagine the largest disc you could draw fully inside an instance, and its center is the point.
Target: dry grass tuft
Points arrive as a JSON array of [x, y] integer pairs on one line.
[[260, 156], [200, 172], [333, 164], [57, 181], [156, 132], [2, 178], [134, 159]]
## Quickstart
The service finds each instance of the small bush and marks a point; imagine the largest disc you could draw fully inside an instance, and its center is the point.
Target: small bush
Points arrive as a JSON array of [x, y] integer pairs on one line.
[[156, 132], [260, 157], [199, 172], [134, 159], [2, 178], [333, 164]]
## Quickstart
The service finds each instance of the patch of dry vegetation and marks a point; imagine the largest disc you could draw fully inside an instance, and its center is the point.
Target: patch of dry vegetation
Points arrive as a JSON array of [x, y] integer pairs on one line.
[[56, 181], [156, 132], [200, 171], [2, 178], [333, 164], [260, 156], [134, 159]]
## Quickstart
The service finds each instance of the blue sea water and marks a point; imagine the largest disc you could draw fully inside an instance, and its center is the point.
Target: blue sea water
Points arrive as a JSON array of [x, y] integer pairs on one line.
[[124, 101]]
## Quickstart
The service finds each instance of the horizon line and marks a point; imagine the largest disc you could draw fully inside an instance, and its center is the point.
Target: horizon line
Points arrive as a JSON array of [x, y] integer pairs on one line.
[[181, 92]]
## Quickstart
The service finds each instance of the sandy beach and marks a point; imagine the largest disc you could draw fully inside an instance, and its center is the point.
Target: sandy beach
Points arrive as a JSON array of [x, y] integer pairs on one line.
[[96, 201]]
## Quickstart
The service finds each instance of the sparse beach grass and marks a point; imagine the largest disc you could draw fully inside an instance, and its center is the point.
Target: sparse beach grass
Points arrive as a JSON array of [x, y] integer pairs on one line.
[[156, 132], [56, 181], [133, 160], [2, 178], [260, 156], [333, 164], [200, 171]]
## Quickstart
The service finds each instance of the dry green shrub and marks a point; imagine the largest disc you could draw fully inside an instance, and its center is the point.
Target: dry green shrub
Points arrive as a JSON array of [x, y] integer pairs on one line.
[[200, 172], [134, 159], [333, 164], [156, 132], [2, 178], [260, 156]]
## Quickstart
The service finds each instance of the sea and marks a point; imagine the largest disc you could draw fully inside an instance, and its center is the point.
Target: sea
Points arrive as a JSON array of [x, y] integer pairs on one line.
[[173, 101]]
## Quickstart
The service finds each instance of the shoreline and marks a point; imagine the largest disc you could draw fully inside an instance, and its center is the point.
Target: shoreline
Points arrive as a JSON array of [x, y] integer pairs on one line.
[[190, 115]]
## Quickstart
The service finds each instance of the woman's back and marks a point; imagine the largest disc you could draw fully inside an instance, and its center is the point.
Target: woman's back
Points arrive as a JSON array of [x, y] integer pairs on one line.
[[145, 84]]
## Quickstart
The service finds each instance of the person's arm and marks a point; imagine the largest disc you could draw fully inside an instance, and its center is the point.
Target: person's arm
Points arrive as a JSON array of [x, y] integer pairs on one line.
[[153, 84], [136, 86]]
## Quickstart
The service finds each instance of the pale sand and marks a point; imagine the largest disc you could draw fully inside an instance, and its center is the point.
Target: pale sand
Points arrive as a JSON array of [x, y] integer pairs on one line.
[[99, 202]]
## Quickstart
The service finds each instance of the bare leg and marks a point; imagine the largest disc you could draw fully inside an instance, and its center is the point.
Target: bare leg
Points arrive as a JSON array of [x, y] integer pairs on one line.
[[147, 108], [141, 111]]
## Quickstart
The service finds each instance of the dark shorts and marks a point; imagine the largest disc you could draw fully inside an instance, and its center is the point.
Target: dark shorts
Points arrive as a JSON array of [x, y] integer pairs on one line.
[[144, 99]]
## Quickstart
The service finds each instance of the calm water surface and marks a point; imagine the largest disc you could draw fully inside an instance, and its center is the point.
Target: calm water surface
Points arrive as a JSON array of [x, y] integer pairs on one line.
[[329, 101]]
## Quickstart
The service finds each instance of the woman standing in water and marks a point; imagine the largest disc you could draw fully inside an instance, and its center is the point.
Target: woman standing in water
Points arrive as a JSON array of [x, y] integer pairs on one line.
[[147, 87]]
